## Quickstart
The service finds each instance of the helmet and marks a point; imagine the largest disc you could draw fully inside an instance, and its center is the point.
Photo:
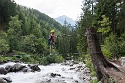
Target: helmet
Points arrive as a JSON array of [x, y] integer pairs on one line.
[[52, 31]]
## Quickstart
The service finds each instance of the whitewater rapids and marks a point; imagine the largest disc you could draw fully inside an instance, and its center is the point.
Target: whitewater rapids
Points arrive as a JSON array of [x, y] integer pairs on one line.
[[53, 73]]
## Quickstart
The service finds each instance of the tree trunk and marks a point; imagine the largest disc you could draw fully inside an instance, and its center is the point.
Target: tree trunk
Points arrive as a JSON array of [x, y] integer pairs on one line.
[[124, 13], [100, 63], [97, 57]]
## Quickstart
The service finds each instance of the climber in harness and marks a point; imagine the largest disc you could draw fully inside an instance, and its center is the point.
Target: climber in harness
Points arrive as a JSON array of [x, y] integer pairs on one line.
[[52, 41]]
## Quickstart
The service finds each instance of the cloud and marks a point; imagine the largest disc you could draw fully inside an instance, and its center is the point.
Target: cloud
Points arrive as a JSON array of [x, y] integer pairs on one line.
[[55, 8]]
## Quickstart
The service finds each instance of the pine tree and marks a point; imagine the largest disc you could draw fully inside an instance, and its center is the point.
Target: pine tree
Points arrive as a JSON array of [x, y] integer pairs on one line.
[[7, 9]]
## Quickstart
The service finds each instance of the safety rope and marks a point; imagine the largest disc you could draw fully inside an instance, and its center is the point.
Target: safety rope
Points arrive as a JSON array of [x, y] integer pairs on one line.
[[71, 35], [65, 48]]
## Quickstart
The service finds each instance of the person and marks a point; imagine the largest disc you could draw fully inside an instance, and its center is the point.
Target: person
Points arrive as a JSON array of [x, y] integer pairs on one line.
[[52, 41]]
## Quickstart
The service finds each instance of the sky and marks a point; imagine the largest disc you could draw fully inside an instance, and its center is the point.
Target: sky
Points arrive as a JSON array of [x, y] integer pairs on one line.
[[55, 8]]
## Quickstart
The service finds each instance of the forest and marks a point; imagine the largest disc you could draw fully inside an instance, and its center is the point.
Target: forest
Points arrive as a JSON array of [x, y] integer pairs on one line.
[[24, 32], [108, 18]]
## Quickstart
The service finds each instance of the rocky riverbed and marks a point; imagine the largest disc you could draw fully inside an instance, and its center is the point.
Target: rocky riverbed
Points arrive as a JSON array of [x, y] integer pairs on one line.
[[67, 72]]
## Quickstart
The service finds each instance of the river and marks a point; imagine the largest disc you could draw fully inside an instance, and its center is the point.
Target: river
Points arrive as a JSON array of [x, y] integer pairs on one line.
[[66, 72]]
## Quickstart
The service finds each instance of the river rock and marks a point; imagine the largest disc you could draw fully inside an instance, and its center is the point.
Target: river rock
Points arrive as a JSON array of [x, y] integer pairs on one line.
[[54, 74], [14, 68], [17, 67], [8, 79], [34, 67], [3, 70], [2, 80], [8, 68], [25, 69]]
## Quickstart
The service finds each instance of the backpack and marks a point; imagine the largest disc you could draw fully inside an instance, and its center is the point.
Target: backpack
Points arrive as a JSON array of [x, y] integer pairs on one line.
[[49, 40]]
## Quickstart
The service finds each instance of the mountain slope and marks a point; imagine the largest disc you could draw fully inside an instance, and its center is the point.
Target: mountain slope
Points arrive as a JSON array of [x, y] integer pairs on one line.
[[63, 18], [27, 30]]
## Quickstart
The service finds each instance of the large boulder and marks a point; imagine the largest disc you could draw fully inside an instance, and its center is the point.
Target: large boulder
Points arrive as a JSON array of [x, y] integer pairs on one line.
[[14, 68], [3, 70], [17, 67], [8, 68]]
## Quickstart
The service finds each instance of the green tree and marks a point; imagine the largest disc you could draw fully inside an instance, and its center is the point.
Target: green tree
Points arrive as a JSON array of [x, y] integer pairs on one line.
[[14, 33], [4, 46], [104, 26], [86, 21], [7, 9], [110, 9]]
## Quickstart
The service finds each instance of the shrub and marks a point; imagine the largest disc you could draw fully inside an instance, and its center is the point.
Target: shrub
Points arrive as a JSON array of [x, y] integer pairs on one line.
[[106, 52], [88, 64], [93, 73], [94, 81], [55, 59], [34, 59], [4, 46], [6, 58], [58, 59]]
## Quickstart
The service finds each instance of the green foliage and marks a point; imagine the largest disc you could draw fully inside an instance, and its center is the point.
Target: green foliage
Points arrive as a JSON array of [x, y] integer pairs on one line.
[[93, 74], [58, 59], [66, 43], [27, 37], [105, 24], [27, 31], [89, 65], [54, 59], [7, 9], [88, 62], [86, 21], [27, 58], [94, 81], [113, 45], [109, 19], [111, 42], [4, 46], [34, 59], [106, 52], [32, 44], [6, 58], [80, 58], [35, 31], [26, 34], [14, 33]]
